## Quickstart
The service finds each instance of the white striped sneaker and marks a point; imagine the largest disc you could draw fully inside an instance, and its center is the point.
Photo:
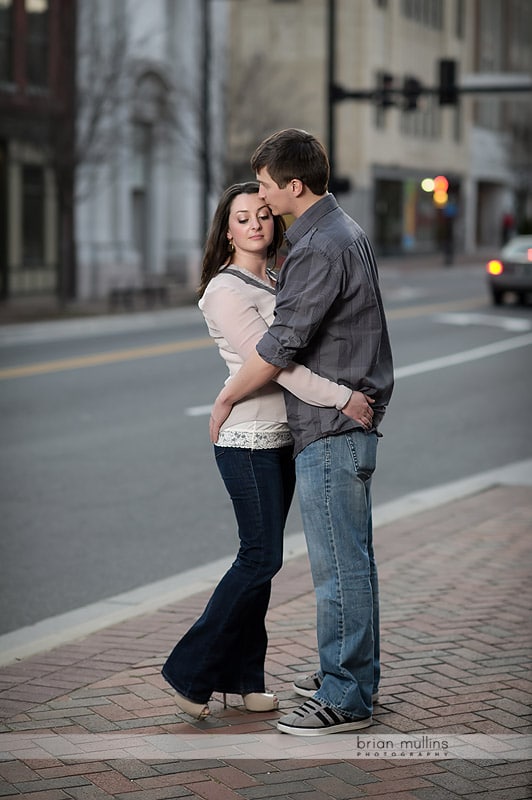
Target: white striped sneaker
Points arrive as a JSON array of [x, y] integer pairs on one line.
[[308, 685], [314, 718]]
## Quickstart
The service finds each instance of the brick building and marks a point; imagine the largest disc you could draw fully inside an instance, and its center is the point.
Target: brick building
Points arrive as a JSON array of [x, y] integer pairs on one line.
[[37, 68]]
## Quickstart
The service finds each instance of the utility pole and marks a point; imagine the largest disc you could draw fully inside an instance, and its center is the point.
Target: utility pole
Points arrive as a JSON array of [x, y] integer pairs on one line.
[[331, 81], [205, 118], [336, 183]]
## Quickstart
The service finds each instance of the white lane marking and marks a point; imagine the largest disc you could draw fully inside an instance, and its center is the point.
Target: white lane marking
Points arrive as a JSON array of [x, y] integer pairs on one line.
[[506, 323], [461, 358], [402, 293], [428, 366], [198, 411]]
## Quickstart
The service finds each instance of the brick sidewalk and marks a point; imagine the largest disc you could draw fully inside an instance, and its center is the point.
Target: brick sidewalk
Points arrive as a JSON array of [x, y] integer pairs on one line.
[[455, 586]]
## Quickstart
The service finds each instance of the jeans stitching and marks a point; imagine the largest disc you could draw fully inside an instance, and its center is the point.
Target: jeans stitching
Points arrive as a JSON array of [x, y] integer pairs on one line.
[[340, 639]]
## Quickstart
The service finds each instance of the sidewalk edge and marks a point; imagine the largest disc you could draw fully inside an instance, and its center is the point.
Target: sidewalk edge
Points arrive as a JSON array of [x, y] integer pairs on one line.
[[54, 631]]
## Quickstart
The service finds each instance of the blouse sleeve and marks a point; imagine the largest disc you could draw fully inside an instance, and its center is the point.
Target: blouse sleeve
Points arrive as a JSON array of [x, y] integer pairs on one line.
[[240, 323]]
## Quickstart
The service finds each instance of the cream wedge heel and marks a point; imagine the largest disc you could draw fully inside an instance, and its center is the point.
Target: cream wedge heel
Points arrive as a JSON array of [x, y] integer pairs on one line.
[[260, 701], [257, 701]]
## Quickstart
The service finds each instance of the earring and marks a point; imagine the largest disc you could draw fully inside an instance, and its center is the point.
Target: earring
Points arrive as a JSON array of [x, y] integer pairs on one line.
[[231, 246]]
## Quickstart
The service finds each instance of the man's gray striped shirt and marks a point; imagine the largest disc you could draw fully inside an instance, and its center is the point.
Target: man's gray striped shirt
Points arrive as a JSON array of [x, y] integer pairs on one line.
[[329, 316]]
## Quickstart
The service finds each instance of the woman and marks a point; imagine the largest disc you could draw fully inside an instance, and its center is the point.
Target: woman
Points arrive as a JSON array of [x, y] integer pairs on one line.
[[224, 651]]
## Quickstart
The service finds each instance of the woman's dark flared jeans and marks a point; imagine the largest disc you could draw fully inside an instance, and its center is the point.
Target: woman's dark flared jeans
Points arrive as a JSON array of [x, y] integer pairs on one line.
[[224, 650]]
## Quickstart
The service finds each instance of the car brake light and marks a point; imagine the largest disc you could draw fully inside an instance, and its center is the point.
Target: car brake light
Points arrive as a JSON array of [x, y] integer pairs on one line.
[[529, 253], [494, 268]]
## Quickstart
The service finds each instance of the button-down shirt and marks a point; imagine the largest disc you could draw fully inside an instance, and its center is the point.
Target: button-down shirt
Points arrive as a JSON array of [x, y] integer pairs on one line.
[[329, 316]]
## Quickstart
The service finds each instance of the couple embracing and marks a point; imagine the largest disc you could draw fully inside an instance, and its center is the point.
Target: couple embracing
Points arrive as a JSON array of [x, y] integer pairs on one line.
[[310, 376]]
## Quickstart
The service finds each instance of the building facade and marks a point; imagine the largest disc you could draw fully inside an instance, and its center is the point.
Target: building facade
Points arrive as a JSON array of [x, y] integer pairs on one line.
[[110, 142], [121, 122], [499, 179], [147, 176], [37, 42], [383, 147]]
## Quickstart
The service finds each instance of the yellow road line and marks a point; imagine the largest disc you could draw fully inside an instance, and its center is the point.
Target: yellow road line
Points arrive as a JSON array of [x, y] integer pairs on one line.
[[115, 356], [96, 359]]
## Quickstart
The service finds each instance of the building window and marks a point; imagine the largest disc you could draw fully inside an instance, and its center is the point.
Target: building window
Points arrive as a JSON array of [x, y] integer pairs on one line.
[[6, 41], [32, 216], [38, 19], [425, 123], [25, 43], [425, 12]]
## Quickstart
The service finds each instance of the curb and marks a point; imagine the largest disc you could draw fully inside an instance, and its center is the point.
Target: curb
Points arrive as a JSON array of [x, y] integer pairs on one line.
[[64, 628]]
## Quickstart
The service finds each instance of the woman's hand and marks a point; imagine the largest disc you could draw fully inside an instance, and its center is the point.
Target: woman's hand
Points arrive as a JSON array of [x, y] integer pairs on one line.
[[358, 408], [219, 413]]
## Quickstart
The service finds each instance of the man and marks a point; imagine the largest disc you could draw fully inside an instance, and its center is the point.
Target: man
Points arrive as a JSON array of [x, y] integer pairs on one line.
[[329, 316]]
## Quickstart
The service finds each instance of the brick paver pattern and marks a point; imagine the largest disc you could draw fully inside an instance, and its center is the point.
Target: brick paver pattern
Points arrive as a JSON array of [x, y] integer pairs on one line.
[[456, 599]]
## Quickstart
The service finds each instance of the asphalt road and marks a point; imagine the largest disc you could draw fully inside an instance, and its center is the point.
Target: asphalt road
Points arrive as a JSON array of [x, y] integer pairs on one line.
[[108, 480]]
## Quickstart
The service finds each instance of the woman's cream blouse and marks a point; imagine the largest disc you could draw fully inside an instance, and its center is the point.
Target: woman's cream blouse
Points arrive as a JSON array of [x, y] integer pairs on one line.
[[237, 314]]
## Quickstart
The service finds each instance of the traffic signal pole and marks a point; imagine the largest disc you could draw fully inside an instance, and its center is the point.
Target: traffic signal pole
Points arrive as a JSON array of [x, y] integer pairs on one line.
[[331, 78], [406, 96], [448, 90]]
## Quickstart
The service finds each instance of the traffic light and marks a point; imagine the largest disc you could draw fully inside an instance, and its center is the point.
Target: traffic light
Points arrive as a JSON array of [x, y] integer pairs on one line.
[[385, 90], [438, 186], [441, 184], [339, 185], [447, 90], [411, 91]]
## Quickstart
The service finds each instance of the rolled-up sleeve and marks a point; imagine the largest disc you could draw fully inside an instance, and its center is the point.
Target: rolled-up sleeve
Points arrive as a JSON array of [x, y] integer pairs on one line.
[[301, 306]]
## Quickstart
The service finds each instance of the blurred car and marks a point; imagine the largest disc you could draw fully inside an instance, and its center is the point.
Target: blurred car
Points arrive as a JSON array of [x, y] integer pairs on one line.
[[512, 270]]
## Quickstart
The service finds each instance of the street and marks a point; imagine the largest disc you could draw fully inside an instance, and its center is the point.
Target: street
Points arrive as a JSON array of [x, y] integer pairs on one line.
[[108, 478]]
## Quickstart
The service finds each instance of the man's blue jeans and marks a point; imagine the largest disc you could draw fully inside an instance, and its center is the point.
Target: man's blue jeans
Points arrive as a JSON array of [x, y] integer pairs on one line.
[[224, 650], [334, 487]]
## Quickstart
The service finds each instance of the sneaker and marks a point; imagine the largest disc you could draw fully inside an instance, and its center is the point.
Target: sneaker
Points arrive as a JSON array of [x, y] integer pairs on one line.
[[314, 718], [308, 685]]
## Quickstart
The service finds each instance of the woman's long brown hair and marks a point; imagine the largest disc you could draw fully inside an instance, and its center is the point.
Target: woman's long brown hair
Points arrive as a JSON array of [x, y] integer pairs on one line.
[[217, 254]]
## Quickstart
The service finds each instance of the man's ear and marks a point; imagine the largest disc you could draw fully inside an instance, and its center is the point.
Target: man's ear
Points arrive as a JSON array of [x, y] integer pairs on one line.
[[296, 187]]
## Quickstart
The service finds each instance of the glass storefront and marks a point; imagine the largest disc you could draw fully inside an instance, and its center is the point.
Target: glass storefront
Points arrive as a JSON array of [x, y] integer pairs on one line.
[[406, 218]]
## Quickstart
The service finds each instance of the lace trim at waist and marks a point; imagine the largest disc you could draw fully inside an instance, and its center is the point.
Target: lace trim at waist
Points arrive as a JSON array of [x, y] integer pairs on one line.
[[255, 440]]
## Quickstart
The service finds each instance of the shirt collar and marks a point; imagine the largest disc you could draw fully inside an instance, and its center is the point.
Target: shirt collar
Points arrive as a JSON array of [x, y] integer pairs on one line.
[[310, 218]]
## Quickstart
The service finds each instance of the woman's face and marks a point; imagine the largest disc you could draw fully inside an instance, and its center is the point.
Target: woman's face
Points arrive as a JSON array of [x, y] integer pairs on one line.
[[251, 225]]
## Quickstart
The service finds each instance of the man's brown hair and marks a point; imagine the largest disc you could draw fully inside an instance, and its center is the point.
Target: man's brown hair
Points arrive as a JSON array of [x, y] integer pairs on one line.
[[293, 153]]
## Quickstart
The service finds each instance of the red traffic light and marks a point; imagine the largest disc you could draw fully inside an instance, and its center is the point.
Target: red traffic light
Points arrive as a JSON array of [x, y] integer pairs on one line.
[[441, 184]]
